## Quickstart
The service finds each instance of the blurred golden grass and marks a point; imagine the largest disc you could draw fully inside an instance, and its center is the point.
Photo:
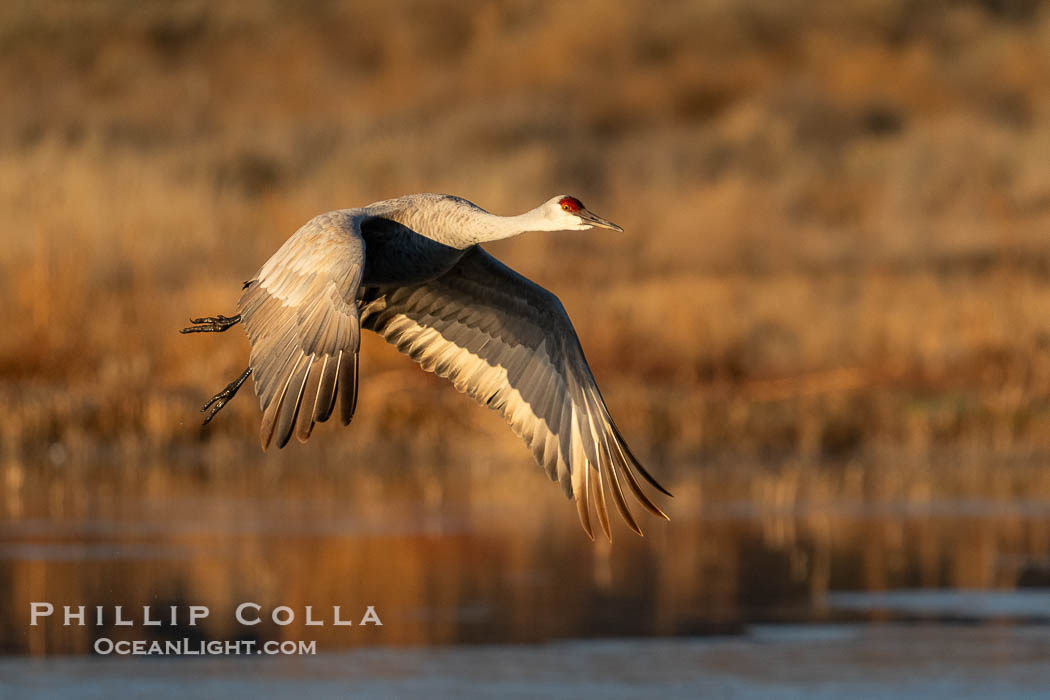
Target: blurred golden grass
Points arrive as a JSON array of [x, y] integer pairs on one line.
[[837, 213]]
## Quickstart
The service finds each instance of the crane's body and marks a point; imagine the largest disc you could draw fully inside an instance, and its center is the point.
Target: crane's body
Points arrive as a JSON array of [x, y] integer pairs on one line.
[[412, 270]]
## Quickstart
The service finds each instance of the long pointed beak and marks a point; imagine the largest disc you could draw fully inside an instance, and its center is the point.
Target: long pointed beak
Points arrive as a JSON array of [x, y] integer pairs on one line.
[[595, 220]]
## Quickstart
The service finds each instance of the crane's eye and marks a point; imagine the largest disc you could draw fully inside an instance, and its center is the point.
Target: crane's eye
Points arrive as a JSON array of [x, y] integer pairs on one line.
[[570, 204]]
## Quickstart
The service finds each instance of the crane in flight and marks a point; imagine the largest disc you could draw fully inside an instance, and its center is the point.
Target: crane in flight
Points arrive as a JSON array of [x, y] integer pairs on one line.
[[412, 269]]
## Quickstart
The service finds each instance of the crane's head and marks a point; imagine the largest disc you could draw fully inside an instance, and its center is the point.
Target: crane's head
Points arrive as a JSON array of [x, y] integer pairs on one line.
[[567, 213]]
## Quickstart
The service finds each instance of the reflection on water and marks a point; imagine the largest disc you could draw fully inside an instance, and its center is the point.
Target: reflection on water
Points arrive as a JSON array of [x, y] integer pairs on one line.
[[451, 558]]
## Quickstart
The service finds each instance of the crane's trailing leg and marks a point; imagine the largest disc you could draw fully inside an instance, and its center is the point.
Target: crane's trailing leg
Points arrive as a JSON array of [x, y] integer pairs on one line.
[[216, 402], [218, 324], [212, 324]]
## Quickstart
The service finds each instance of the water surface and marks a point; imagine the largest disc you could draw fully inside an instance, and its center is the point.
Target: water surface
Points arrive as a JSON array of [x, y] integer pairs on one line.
[[751, 597]]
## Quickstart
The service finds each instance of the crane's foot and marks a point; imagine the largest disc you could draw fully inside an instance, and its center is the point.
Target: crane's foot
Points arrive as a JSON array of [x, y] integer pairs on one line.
[[216, 402], [212, 324]]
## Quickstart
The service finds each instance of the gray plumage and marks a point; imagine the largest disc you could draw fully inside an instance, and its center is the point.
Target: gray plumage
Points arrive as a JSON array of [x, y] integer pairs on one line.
[[411, 270]]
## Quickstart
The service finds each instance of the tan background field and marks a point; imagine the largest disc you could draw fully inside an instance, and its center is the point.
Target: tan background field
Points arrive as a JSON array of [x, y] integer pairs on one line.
[[833, 284]]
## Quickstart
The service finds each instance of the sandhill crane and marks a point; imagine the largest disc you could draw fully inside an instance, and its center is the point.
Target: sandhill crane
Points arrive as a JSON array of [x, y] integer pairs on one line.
[[412, 270]]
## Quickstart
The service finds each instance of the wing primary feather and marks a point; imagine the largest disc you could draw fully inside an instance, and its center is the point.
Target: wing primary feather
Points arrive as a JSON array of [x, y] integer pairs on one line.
[[597, 486], [611, 465], [580, 474], [292, 400], [274, 366], [269, 421], [347, 387], [582, 511], [564, 475], [564, 443], [327, 389], [586, 441], [598, 494], [619, 500], [635, 463], [632, 483], [582, 415], [305, 423]]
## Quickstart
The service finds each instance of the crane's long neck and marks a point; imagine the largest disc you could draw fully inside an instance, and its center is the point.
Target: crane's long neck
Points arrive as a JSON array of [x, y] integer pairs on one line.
[[490, 227]]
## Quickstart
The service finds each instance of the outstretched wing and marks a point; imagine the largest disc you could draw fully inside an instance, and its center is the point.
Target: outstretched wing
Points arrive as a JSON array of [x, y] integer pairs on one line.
[[508, 343], [301, 315]]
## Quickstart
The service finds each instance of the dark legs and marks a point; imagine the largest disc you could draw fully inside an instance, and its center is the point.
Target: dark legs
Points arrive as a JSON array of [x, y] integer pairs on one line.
[[212, 324], [216, 402], [218, 324]]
